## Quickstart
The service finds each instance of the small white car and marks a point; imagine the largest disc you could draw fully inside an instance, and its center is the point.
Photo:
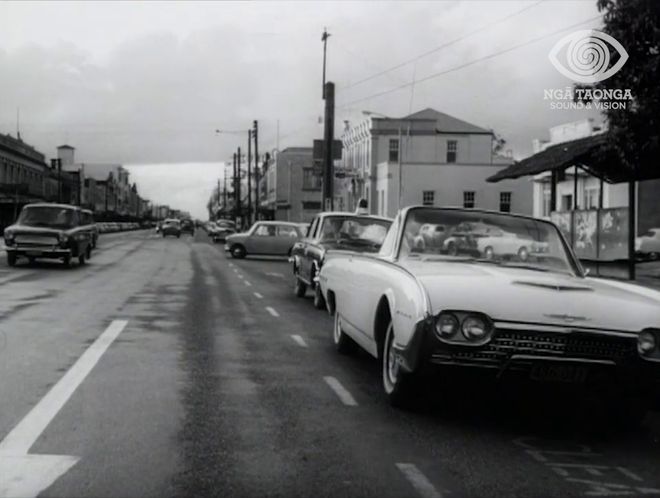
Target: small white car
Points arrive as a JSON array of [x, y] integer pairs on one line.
[[648, 245], [535, 318]]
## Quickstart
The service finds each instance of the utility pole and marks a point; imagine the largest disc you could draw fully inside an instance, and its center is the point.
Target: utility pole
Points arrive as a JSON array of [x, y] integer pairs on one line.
[[238, 185], [59, 180], [233, 179], [224, 190], [328, 139], [249, 177], [255, 135], [324, 39], [218, 213]]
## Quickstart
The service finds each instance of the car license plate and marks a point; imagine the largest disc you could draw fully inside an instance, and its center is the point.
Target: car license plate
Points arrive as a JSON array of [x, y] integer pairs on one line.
[[33, 253], [553, 372]]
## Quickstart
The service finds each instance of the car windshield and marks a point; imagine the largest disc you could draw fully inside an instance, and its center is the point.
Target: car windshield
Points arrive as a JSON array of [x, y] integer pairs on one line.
[[47, 216], [354, 230], [464, 235]]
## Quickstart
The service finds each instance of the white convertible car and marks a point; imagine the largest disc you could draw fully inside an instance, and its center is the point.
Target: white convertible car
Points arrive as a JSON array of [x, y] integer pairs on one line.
[[537, 318]]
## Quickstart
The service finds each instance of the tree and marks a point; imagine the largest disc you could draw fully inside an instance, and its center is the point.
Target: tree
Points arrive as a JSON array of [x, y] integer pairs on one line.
[[634, 132]]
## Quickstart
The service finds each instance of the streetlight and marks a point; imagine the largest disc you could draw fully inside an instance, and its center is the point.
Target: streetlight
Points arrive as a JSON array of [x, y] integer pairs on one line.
[[400, 152]]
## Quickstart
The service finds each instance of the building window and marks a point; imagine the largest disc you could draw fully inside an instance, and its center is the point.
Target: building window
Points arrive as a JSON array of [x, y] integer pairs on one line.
[[547, 198], [468, 199], [591, 198], [311, 181], [394, 149], [452, 147], [567, 202], [505, 202], [428, 197]]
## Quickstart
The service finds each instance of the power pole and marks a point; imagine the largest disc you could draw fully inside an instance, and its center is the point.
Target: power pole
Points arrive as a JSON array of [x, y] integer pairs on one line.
[[255, 135], [233, 179], [249, 177], [224, 190], [218, 213], [59, 180], [238, 185], [328, 139], [324, 39]]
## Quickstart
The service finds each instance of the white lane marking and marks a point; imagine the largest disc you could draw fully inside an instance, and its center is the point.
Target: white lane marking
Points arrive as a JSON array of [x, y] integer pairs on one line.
[[27, 475], [257, 295], [340, 391], [418, 480], [275, 274], [299, 340], [272, 311], [247, 283], [231, 265], [239, 275]]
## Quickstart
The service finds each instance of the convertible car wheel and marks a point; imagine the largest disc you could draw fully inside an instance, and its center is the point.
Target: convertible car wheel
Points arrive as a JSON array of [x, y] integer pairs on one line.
[[489, 253], [343, 343], [523, 254], [397, 384], [299, 288]]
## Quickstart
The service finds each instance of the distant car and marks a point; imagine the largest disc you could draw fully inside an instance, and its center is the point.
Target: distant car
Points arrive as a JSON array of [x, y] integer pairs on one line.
[[187, 226], [499, 243], [271, 238], [330, 231], [49, 231], [88, 220], [462, 238], [540, 322], [172, 227], [222, 229], [648, 245]]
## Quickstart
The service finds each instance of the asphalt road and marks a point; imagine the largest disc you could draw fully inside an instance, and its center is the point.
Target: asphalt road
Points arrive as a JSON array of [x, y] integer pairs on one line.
[[165, 368]]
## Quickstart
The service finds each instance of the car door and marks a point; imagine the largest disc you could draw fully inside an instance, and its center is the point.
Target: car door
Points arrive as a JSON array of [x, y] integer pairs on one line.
[[261, 239], [286, 236], [307, 246]]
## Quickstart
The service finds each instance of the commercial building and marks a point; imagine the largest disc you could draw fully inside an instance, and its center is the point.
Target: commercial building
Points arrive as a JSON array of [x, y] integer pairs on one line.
[[427, 158], [290, 187]]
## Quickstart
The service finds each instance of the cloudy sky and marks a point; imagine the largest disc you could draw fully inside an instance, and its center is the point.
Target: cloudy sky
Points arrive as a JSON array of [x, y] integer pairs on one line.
[[148, 83]]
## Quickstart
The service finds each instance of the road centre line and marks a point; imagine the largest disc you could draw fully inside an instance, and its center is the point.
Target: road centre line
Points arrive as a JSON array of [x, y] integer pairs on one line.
[[275, 274], [299, 340], [247, 283], [272, 311], [422, 485], [257, 295], [340, 391], [28, 430], [239, 275]]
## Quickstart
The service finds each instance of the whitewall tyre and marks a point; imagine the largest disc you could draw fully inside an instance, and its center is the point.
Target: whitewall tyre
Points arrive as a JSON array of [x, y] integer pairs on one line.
[[396, 383], [343, 344]]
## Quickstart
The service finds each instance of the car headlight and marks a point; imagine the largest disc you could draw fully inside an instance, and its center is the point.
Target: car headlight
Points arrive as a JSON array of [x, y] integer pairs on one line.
[[646, 342], [474, 328], [446, 325]]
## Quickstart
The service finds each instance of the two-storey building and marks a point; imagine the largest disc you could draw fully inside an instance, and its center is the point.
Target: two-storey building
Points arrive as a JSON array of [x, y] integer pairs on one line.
[[428, 158]]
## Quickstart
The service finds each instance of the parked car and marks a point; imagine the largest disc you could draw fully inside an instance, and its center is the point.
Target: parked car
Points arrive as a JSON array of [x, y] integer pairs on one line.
[[171, 226], [333, 231], [498, 243], [49, 231], [222, 230], [648, 245], [88, 220], [271, 238], [187, 226], [540, 321]]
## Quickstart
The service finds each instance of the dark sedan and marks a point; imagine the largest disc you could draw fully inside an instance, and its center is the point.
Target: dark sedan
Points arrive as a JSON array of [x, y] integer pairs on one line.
[[331, 231]]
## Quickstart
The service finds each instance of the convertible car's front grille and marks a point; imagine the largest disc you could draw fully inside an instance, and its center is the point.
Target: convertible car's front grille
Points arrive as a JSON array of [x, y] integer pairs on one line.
[[506, 343]]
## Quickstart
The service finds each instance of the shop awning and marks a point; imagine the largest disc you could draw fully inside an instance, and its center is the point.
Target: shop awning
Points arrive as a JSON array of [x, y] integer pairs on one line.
[[593, 154]]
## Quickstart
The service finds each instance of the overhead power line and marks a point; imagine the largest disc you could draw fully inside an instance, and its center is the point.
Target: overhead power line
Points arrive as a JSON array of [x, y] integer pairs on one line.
[[443, 46], [467, 64]]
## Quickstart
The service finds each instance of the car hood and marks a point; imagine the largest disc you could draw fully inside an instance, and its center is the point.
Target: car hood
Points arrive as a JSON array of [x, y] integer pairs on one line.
[[25, 229], [513, 294]]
